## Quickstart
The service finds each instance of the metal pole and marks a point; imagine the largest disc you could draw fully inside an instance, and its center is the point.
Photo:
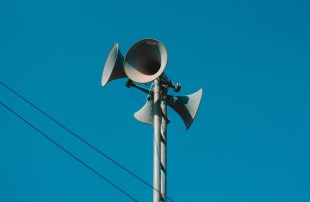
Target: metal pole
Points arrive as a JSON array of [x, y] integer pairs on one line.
[[157, 150], [164, 145]]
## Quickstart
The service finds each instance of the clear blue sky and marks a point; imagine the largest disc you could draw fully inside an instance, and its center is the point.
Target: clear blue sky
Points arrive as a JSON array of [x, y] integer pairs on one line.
[[249, 142]]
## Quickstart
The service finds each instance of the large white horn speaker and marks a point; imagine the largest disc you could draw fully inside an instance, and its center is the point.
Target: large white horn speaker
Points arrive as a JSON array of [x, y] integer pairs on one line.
[[113, 67], [186, 106], [145, 61]]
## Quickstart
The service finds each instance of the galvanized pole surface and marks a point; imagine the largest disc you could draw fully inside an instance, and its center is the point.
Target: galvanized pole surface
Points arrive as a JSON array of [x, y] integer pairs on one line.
[[164, 145], [157, 150]]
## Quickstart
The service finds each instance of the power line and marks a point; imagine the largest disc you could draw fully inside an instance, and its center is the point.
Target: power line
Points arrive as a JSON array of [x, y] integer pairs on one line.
[[83, 140], [65, 150]]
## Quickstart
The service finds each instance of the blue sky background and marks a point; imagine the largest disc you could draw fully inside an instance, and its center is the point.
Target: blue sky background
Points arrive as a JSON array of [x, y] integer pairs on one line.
[[250, 139]]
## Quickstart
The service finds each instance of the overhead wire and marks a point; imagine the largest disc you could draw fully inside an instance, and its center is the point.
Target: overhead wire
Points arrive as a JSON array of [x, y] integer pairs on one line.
[[83, 140], [66, 151]]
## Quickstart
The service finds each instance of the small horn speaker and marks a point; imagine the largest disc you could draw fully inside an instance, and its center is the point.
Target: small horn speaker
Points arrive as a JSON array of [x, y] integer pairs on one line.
[[145, 61], [145, 114], [186, 106], [113, 67]]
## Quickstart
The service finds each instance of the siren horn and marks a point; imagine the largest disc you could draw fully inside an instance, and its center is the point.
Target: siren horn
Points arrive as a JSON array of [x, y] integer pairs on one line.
[[145, 114], [186, 106], [145, 61], [113, 67]]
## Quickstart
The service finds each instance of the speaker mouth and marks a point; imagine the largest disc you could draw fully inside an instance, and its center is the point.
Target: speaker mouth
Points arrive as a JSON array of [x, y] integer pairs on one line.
[[145, 61]]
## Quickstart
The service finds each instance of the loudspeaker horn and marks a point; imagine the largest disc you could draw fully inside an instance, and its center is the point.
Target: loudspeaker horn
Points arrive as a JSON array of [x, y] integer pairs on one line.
[[113, 67], [145, 114], [186, 106], [145, 61]]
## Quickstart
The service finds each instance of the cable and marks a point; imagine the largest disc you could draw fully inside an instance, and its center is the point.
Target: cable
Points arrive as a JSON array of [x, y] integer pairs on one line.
[[139, 101], [157, 149], [84, 141], [65, 150]]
